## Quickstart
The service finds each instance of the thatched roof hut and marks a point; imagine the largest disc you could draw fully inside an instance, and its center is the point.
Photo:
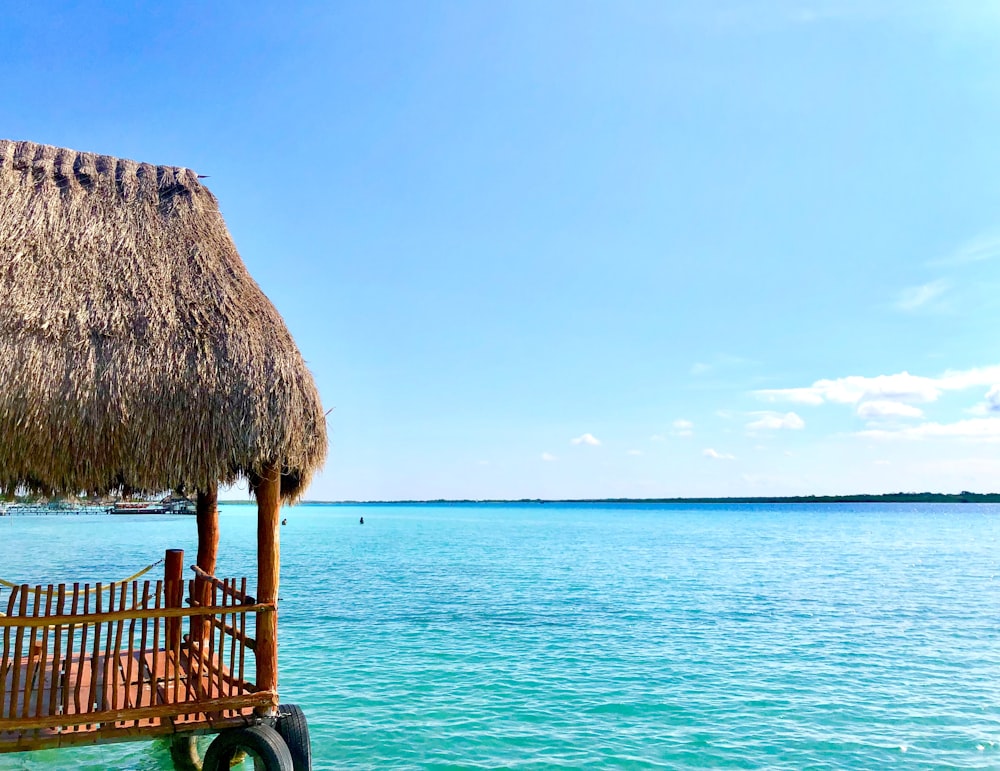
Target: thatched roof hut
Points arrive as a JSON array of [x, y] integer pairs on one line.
[[136, 352]]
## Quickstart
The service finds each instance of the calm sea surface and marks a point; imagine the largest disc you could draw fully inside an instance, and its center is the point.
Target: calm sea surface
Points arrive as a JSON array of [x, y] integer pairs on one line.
[[600, 636]]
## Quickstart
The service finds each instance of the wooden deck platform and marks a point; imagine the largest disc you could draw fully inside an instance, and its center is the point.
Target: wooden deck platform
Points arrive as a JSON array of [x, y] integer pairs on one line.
[[97, 675]]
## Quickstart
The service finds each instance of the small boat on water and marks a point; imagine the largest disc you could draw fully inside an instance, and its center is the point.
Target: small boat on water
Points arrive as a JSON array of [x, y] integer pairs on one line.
[[172, 504]]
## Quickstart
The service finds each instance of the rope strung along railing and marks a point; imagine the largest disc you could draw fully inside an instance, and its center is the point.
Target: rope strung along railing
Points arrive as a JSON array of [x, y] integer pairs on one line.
[[24, 587]]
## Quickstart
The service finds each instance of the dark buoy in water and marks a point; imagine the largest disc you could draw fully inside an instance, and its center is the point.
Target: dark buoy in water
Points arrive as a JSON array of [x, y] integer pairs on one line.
[[362, 520]]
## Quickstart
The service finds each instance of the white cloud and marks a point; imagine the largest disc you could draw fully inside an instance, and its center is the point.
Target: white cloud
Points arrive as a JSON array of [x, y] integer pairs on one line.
[[993, 398], [979, 249], [679, 427], [635, 452], [880, 409], [588, 439], [710, 453], [773, 421], [978, 429], [548, 457], [900, 387], [979, 376], [916, 297], [700, 368], [990, 403], [812, 395], [683, 428]]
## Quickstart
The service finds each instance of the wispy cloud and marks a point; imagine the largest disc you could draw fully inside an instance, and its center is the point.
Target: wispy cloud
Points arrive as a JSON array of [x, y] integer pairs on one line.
[[680, 427], [978, 429], [587, 439], [775, 421], [683, 427], [719, 364], [635, 452], [548, 457], [984, 247], [900, 387], [883, 409], [922, 297], [813, 395], [714, 455]]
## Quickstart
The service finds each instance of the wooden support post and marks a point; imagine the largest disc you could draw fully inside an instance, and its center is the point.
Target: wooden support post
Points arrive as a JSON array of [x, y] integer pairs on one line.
[[173, 594], [207, 512], [268, 560]]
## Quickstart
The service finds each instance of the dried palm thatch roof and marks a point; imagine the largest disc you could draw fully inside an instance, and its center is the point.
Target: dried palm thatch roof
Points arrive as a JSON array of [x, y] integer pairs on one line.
[[136, 352]]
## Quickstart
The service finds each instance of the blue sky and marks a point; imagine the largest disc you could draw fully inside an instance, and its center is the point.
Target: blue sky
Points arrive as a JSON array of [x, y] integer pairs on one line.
[[585, 249]]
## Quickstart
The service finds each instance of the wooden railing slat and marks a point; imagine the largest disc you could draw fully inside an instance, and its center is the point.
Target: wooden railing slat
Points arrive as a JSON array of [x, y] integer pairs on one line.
[[232, 639], [142, 646], [5, 656], [32, 658], [240, 595], [43, 671], [17, 657], [95, 660], [57, 680], [160, 710], [243, 633], [104, 617], [113, 655], [130, 653], [78, 670], [156, 643]]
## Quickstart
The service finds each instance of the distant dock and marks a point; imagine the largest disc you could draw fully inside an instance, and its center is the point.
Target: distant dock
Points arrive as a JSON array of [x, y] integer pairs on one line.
[[43, 509], [169, 505]]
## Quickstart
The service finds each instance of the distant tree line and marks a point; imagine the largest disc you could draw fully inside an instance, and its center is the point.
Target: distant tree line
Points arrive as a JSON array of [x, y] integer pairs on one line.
[[963, 497]]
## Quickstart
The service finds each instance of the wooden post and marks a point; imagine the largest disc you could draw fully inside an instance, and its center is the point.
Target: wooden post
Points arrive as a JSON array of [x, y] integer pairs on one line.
[[207, 512], [173, 594], [268, 562]]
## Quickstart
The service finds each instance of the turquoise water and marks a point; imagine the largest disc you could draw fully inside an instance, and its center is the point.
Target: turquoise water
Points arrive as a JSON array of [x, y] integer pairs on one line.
[[601, 636]]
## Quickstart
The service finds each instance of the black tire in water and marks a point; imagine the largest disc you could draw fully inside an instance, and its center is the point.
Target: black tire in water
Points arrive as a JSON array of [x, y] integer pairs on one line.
[[187, 757], [261, 742], [184, 752], [294, 730]]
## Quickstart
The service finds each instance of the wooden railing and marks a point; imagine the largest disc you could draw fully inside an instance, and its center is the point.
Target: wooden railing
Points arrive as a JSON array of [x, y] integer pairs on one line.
[[102, 659]]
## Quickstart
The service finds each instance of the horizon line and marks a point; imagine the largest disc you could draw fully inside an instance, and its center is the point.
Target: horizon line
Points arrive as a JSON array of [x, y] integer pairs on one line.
[[964, 496]]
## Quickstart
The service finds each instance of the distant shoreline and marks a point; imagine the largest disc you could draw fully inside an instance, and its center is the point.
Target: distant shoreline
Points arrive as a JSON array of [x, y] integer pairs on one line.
[[963, 497]]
